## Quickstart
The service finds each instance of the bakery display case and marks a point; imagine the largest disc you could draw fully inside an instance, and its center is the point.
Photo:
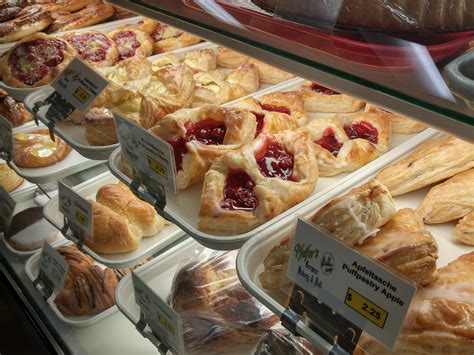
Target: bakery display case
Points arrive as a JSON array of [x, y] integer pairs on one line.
[[167, 215]]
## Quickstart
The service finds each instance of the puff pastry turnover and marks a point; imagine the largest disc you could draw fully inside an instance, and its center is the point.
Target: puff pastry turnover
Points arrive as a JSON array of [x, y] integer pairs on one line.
[[243, 81], [289, 102], [227, 58], [450, 200], [269, 74], [246, 188], [400, 124], [464, 230], [211, 89], [433, 161], [201, 60], [355, 216], [201, 135], [404, 245], [318, 98], [9, 180], [167, 38]]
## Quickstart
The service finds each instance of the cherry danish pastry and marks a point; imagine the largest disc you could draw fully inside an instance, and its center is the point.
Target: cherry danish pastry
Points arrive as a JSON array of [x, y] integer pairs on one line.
[[94, 47], [167, 38], [131, 42]]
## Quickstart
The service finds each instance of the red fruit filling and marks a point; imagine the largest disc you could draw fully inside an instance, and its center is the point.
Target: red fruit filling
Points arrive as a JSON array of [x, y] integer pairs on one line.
[[274, 108], [362, 129], [275, 161], [329, 142], [260, 122], [159, 33], [239, 192], [91, 46], [127, 44], [323, 90], [179, 149]]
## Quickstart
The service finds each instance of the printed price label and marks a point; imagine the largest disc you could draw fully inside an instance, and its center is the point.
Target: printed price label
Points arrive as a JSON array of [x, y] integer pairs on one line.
[[76, 209], [7, 206], [358, 288], [53, 269], [6, 138], [79, 85], [148, 153], [161, 318]]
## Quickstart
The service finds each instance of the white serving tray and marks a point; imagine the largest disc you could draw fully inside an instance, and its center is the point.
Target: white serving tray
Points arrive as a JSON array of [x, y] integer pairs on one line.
[[74, 134], [73, 163], [252, 253], [32, 271], [20, 94], [183, 208], [148, 246]]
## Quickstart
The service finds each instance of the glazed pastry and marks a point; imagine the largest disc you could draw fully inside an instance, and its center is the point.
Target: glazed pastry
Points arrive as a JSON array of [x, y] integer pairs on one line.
[[201, 60], [450, 200], [246, 188], [63, 5], [289, 102], [77, 261], [201, 135], [36, 149], [9, 11], [167, 38], [12, 110], [346, 143], [433, 161], [267, 121], [28, 21], [400, 124], [211, 88], [464, 231], [131, 42], [113, 233], [243, 81], [94, 48], [35, 61], [318, 98], [100, 127], [89, 16], [170, 89], [275, 265], [170, 59], [121, 199], [227, 58], [9, 180], [441, 317], [268, 74], [358, 214], [404, 245]]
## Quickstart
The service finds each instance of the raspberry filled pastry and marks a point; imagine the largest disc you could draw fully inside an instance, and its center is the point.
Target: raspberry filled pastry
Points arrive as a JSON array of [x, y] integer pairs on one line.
[[166, 38], [199, 136], [131, 42], [318, 98], [346, 143], [289, 102], [245, 188], [94, 47]]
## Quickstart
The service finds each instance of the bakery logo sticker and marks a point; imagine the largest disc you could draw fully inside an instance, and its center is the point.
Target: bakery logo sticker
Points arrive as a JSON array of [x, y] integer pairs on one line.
[[7, 206], [76, 210], [359, 289], [79, 84]]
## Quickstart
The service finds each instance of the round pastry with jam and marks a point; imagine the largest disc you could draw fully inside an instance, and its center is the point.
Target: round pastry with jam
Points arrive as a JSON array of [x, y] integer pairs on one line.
[[35, 61], [167, 38], [131, 42], [94, 47]]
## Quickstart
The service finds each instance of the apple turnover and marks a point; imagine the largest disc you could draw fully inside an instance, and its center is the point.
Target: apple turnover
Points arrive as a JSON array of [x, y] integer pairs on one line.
[[9, 180], [170, 89], [318, 98], [358, 214], [464, 231], [400, 124], [347, 142], [404, 245], [433, 161], [36, 149], [245, 188], [199, 136], [450, 200]]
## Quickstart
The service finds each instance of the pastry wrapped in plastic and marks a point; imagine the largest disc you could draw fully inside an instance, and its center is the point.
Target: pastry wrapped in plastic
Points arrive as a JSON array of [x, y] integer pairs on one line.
[[218, 314]]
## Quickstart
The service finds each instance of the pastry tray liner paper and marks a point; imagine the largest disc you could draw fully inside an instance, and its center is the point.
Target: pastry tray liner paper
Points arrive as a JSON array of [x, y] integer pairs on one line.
[[183, 208], [21, 93], [252, 254], [71, 164], [159, 274], [148, 246], [74, 134], [32, 270]]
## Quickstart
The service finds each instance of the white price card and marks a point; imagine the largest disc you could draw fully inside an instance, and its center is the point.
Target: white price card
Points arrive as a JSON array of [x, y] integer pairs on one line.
[[76, 209], [79, 84], [7, 206], [6, 138], [358, 288], [53, 269], [148, 153], [163, 320]]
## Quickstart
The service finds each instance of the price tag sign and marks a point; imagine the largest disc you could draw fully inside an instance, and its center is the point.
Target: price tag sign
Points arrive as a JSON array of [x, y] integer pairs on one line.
[[76, 209], [161, 318], [7, 206], [148, 153], [358, 288], [53, 269], [6, 138]]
